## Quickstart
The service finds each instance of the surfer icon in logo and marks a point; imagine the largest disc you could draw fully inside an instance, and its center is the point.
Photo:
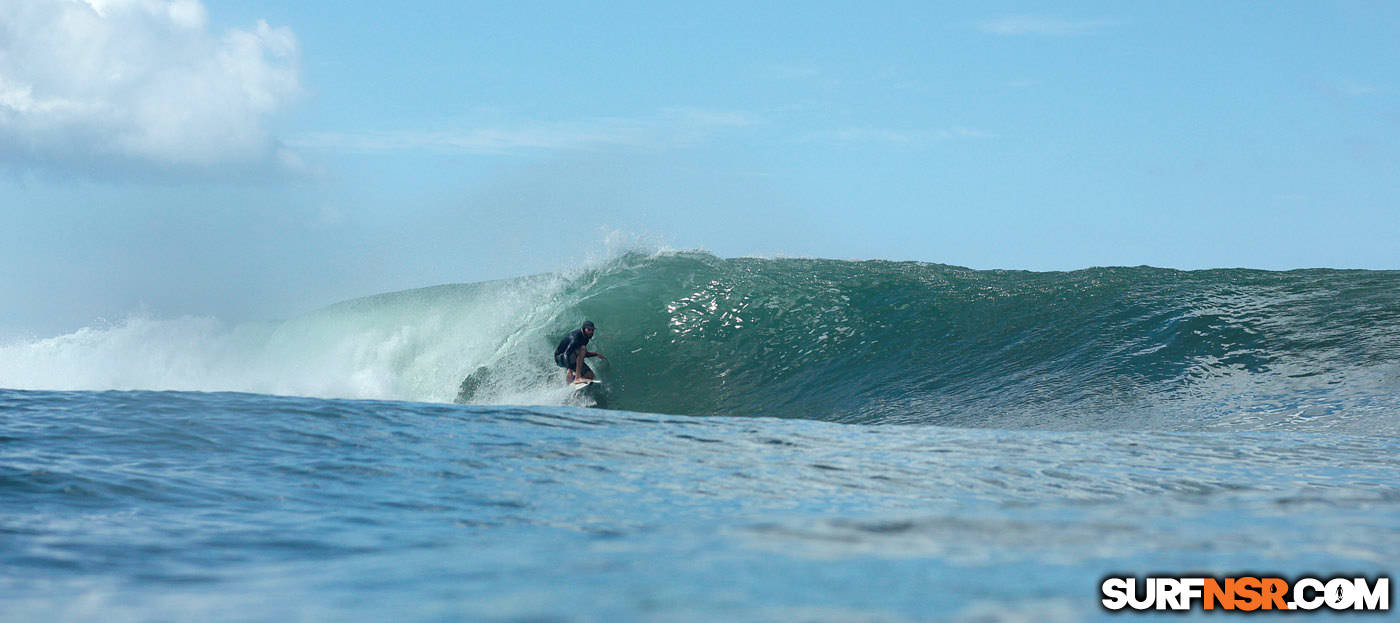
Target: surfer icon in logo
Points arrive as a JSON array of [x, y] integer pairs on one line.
[[571, 352]]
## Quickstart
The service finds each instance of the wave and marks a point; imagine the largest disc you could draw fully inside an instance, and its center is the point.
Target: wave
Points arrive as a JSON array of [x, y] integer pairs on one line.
[[844, 341]]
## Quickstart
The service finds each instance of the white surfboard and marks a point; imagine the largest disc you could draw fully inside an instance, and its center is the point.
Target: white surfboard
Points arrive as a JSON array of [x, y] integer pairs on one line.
[[583, 384]]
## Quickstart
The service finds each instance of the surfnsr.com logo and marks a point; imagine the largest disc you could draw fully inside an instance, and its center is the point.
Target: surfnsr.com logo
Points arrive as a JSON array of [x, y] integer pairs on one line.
[[1246, 594]]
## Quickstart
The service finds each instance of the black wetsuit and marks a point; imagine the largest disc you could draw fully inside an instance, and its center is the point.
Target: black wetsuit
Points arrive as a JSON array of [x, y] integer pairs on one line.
[[566, 354]]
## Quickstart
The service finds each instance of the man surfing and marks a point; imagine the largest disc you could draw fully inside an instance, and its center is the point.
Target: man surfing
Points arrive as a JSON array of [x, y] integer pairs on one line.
[[570, 354]]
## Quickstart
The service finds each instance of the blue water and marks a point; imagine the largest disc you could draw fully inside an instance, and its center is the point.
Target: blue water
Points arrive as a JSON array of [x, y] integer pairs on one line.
[[1220, 423], [131, 506]]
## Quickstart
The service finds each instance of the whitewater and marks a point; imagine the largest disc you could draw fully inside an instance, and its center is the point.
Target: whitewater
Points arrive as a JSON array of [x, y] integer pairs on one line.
[[777, 439]]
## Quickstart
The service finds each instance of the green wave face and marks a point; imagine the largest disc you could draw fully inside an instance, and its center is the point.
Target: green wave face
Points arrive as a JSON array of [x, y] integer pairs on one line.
[[901, 342]]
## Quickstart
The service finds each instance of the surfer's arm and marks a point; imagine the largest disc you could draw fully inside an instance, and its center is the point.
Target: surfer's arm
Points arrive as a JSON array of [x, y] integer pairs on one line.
[[598, 355]]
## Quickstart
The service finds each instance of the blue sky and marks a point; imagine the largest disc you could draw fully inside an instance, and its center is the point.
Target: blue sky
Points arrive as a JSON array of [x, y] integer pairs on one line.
[[259, 159]]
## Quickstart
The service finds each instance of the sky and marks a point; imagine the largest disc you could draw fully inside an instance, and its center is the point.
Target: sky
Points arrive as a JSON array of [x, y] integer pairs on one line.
[[254, 160]]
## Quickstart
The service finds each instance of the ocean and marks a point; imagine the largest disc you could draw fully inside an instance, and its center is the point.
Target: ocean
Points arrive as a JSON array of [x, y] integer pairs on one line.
[[774, 440]]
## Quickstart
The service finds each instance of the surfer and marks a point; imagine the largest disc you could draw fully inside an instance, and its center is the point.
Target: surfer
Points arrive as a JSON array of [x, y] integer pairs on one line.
[[570, 353]]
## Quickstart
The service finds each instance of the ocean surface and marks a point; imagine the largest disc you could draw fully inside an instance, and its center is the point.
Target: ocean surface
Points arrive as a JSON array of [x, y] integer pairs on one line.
[[774, 440]]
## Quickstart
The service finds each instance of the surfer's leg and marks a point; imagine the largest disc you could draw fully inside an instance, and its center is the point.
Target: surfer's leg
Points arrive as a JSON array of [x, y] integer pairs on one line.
[[587, 372], [562, 360]]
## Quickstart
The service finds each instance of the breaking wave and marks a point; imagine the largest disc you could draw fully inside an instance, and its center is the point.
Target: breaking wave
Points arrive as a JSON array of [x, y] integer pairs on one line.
[[845, 341]]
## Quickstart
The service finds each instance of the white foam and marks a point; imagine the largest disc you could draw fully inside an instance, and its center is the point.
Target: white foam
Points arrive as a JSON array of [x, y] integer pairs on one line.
[[415, 345]]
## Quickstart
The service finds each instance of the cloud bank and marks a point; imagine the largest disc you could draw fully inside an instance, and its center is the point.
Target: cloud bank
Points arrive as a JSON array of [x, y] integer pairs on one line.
[[138, 85]]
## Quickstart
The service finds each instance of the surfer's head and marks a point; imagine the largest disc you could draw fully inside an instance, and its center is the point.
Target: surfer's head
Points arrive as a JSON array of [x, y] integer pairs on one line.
[[588, 327]]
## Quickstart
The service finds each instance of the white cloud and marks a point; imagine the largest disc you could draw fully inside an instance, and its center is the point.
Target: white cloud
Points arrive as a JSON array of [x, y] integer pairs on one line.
[[668, 127], [907, 138], [1043, 26], [1351, 88], [793, 72], [131, 84]]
